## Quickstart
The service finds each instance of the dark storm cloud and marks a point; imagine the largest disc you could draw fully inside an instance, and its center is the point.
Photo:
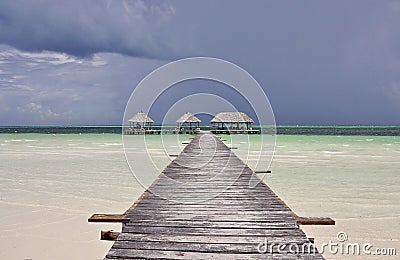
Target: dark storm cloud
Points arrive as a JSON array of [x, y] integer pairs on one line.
[[83, 27], [320, 62], [56, 89]]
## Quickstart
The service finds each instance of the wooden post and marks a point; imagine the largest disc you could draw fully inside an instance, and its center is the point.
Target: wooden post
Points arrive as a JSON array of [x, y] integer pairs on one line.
[[314, 221], [109, 235]]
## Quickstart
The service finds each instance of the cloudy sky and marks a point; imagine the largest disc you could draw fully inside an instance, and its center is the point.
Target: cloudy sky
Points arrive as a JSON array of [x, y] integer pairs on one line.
[[77, 62]]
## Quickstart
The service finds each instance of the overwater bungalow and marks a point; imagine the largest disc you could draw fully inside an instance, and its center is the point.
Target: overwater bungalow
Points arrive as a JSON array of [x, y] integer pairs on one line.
[[190, 120], [139, 124], [141, 120], [233, 122]]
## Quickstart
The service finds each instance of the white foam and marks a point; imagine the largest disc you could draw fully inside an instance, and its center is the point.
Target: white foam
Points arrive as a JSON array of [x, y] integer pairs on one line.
[[332, 152], [109, 144], [12, 140], [112, 144]]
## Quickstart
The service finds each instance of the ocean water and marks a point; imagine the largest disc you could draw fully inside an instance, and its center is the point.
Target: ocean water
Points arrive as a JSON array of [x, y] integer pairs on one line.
[[50, 185]]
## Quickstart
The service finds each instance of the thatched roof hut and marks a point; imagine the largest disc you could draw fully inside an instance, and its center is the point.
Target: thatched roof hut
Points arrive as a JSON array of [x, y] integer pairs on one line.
[[232, 119], [188, 118], [140, 119]]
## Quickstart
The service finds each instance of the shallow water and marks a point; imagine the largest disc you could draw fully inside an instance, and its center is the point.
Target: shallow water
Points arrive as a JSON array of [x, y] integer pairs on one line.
[[49, 186], [353, 179]]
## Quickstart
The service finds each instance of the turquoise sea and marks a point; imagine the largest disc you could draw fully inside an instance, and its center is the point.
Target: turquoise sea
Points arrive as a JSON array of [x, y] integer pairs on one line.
[[50, 184]]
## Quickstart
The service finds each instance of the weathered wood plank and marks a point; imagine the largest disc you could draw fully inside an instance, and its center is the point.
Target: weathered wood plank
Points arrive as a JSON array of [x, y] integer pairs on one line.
[[107, 218], [208, 231], [208, 217], [291, 235], [279, 223], [167, 254], [210, 247], [314, 221]]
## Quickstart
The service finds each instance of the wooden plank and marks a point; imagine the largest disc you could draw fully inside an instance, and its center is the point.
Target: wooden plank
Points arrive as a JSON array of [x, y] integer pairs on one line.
[[264, 171], [168, 254], [290, 236], [107, 218], [314, 221], [273, 208], [209, 231], [210, 247], [172, 215], [217, 213], [279, 223]]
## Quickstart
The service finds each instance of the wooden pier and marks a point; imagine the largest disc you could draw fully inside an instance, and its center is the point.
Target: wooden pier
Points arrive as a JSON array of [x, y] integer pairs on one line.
[[217, 211], [143, 131], [235, 131]]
